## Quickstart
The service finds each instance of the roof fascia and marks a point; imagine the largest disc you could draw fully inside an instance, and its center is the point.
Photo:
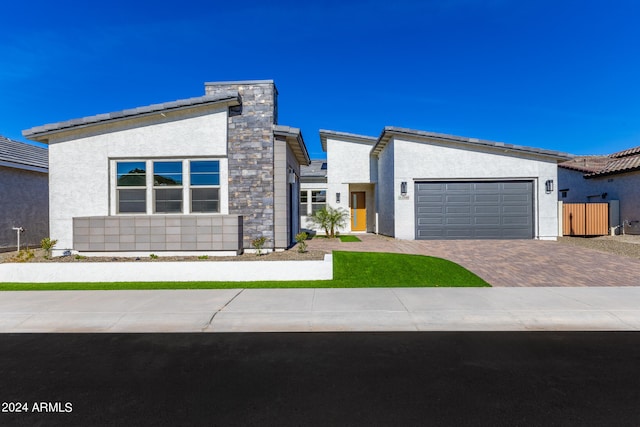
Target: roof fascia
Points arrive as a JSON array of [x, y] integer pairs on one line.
[[43, 136], [23, 167], [344, 136], [293, 136], [488, 146]]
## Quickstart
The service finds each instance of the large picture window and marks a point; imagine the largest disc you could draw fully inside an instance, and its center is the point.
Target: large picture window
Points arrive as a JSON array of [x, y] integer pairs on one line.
[[131, 187], [205, 185], [171, 186]]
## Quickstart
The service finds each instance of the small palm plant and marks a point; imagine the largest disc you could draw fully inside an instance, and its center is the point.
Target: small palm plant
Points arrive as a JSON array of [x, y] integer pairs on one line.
[[329, 219]]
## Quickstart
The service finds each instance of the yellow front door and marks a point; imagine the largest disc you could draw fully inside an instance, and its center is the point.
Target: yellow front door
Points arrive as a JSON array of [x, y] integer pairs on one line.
[[358, 211]]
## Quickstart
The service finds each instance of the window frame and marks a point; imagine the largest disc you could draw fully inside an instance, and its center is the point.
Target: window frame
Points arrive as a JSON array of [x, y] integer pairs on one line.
[[193, 186], [120, 188], [186, 187], [166, 188]]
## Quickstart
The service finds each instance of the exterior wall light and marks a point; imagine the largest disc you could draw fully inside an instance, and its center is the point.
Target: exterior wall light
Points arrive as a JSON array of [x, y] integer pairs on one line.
[[403, 188], [549, 185], [337, 197]]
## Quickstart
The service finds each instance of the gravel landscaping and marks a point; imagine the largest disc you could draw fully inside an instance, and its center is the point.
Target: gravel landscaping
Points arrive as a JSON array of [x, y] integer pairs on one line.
[[290, 255], [627, 245]]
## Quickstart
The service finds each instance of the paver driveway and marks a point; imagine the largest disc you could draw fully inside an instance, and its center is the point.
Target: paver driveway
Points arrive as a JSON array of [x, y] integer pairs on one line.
[[511, 262]]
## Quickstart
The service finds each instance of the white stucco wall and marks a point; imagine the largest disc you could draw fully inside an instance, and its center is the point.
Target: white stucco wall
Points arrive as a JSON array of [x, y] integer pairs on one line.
[[349, 164], [414, 161], [79, 160], [157, 271]]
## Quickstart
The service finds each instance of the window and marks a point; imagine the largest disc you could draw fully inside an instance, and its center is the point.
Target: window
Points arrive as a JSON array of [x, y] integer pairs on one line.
[[167, 186], [205, 186], [131, 187], [318, 200]]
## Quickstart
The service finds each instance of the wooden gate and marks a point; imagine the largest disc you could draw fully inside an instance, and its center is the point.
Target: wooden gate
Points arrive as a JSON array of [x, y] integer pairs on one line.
[[585, 219]]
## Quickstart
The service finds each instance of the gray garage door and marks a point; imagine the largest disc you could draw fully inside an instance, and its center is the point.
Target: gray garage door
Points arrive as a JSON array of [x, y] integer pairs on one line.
[[474, 210]]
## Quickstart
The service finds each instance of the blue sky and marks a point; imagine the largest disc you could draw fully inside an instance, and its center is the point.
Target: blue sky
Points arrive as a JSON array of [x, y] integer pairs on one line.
[[560, 75]]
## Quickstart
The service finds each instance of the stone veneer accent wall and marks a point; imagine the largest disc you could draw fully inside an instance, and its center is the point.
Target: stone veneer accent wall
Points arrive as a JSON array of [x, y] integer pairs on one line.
[[251, 155]]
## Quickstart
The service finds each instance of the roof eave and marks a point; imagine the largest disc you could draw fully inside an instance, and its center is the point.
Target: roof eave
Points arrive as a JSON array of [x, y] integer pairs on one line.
[[295, 140], [344, 136], [43, 133], [23, 166], [389, 132]]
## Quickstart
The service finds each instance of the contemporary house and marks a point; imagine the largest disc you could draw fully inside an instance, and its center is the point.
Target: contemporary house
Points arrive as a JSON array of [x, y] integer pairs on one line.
[[413, 184], [199, 175], [24, 200], [616, 176]]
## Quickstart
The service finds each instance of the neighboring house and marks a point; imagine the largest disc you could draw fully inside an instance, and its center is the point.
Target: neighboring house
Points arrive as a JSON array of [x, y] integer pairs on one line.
[[199, 175], [313, 191], [24, 197], [412, 184], [603, 179]]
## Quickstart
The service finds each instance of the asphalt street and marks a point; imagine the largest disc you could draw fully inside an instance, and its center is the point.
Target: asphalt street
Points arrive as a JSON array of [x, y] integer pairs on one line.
[[321, 379]]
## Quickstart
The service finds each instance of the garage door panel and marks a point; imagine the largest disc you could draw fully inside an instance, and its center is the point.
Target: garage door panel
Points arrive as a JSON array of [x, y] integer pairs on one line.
[[486, 186], [431, 221], [486, 210], [457, 198], [516, 187], [487, 220], [515, 210], [516, 220], [458, 186], [457, 209], [425, 210], [430, 199], [474, 210], [453, 220], [515, 198], [486, 198]]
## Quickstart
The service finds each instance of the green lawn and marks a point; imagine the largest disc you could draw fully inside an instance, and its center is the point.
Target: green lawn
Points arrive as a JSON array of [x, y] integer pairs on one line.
[[350, 270]]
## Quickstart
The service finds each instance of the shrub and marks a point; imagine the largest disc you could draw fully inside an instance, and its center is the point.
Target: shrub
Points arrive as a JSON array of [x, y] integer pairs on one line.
[[153, 256], [203, 257], [258, 244], [302, 244], [25, 255], [47, 244]]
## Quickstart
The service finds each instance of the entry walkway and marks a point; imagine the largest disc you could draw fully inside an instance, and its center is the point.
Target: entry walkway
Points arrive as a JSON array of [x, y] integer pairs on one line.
[[509, 263], [312, 310]]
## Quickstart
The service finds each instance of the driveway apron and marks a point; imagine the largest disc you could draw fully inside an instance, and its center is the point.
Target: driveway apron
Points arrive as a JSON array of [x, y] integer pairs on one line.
[[510, 263]]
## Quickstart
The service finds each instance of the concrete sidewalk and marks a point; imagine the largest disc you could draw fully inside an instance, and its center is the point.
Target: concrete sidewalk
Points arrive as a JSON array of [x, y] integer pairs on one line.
[[299, 310]]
